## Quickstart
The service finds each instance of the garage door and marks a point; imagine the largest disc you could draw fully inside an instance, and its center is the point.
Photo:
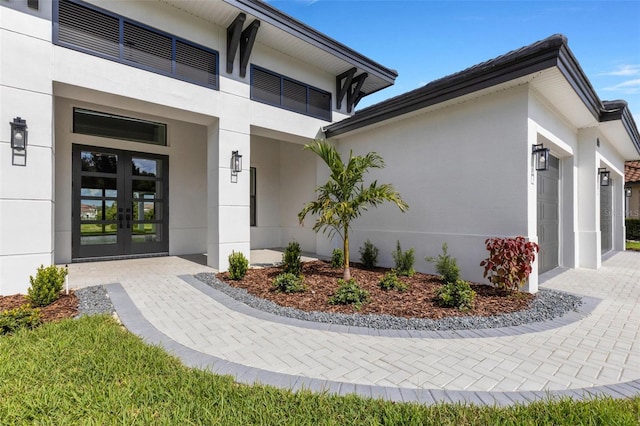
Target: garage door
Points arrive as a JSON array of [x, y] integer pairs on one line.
[[548, 216], [606, 218]]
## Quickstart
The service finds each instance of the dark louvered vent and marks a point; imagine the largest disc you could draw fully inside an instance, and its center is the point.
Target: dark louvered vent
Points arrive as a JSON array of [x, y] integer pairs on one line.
[[196, 64], [320, 104], [147, 48], [88, 29], [99, 32], [266, 87], [278, 90], [294, 96]]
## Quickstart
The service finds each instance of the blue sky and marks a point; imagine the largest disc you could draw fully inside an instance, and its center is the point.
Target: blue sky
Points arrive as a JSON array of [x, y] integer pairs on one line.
[[425, 40]]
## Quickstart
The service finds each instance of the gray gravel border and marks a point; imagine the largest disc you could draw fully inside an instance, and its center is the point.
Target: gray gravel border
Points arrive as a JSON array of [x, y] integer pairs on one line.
[[94, 300], [549, 309]]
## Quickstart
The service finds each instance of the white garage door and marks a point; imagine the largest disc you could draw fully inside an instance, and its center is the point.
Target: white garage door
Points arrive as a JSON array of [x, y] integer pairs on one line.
[[548, 216]]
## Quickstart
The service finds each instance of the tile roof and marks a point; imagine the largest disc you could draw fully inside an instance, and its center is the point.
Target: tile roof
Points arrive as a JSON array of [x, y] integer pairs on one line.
[[632, 171]]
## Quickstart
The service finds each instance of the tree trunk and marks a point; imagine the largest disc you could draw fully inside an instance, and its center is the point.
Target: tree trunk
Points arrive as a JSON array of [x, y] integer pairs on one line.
[[347, 272]]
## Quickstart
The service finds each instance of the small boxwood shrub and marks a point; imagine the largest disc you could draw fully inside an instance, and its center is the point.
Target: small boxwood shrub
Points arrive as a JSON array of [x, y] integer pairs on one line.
[[291, 262], [369, 255], [446, 266], [349, 292], [23, 317], [47, 285], [289, 283], [337, 258], [404, 261], [390, 281], [238, 265], [456, 294]]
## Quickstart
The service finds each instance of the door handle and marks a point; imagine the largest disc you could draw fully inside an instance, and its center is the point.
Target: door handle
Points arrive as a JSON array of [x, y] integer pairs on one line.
[[128, 218], [120, 220]]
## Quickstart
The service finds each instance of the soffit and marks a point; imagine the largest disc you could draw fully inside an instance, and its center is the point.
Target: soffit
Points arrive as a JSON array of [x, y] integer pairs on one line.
[[616, 133], [555, 88], [222, 14]]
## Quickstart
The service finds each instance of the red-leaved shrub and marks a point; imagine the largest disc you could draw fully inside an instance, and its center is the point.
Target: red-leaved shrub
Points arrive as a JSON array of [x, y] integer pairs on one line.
[[509, 263]]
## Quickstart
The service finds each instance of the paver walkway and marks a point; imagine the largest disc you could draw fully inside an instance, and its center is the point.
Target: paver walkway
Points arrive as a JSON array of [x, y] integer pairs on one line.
[[596, 354]]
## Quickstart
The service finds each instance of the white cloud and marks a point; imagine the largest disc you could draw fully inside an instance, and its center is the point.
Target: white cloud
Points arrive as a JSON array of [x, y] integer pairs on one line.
[[624, 70], [627, 87]]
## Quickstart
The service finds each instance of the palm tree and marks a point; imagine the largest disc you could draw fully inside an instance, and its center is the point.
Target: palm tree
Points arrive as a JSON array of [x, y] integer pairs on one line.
[[344, 197]]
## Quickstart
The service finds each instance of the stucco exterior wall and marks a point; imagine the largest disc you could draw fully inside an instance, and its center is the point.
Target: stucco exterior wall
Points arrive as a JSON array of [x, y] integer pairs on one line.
[[286, 177], [26, 183], [462, 170]]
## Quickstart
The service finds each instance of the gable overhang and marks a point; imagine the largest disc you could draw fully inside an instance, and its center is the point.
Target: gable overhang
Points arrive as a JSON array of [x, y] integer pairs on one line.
[[285, 34], [548, 66]]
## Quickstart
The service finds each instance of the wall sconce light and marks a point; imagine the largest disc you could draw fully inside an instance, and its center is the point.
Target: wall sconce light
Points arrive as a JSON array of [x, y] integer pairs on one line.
[[540, 157], [604, 176], [627, 191], [19, 134], [236, 163]]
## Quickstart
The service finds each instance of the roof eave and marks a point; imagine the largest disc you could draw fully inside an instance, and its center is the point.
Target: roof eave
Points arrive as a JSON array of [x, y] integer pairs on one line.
[[292, 26], [462, 84]]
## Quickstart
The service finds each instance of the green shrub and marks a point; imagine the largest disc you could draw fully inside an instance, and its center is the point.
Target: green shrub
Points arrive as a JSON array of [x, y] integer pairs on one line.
[[456, 294], [390, 281], [349, 292], [291, 262], [46, 286], [238, 265], [632, 229], [289, 283], [337, 258], [404, 261], [369, 255], [23, 317], [446, 266]]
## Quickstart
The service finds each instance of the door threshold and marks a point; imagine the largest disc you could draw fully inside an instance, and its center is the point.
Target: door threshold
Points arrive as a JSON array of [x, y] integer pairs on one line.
[[121, 257]]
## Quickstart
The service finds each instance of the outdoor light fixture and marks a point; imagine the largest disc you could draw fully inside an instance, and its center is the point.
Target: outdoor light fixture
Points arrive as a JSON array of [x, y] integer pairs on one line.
[[19, 134], [236, 163], [604, 176], [540, 157], [627, 191]]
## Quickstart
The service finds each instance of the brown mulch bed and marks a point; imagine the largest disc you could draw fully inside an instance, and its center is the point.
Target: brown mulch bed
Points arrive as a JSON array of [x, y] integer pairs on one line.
[[419, 301], [65, 307]]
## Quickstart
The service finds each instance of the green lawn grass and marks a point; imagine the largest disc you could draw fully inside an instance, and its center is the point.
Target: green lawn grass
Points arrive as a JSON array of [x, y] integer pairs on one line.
[[633, 245], [92, 371]]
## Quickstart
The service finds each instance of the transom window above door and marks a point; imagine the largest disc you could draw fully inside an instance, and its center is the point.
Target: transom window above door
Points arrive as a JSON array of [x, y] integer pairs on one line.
[[95, 123]]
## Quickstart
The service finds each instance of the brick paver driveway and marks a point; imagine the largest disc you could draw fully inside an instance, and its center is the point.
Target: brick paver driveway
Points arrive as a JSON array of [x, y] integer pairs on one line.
[[583, 355]]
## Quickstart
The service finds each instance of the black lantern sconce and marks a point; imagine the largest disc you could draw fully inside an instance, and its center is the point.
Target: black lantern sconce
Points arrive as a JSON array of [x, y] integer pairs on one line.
[[540, 157], [627, 191], [19, 134], [605, 177], [236, 163]]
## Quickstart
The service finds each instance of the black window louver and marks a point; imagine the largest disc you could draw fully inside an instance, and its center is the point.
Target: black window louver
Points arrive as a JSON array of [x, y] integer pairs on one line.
[[89, 29], [107, 35], [147, 48], [320, 104], [294, 96], [266, 87], [277, 90], [196, 64]]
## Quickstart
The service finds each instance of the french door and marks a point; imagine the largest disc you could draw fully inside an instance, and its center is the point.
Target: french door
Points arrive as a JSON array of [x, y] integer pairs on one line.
[[120, 202]]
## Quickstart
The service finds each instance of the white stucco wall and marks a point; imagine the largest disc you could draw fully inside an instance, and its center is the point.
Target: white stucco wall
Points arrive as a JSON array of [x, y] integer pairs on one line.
[[286, 179], [462, 170], [26, 183]]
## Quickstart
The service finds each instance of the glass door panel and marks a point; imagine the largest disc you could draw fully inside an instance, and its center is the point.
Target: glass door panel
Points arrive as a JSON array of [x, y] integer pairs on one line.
[[119, 202]]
